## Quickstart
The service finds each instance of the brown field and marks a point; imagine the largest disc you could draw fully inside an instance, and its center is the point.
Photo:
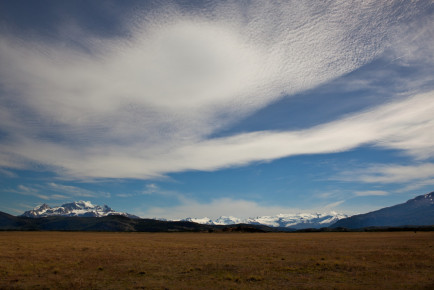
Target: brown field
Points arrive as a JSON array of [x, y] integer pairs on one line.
[[80, 260]]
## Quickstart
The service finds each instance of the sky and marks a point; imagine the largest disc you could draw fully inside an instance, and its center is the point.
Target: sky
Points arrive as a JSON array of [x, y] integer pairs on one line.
[[174, 109]]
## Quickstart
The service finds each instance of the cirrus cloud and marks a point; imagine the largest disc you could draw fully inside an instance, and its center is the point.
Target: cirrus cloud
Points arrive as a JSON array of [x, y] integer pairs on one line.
[[145, 105]]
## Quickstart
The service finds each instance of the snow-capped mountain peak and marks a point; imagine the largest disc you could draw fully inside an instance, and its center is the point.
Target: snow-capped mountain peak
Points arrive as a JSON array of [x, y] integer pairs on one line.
[[79, 205], [42, 207], [426, 198], [204, 221], [78, 208], [227, 220]]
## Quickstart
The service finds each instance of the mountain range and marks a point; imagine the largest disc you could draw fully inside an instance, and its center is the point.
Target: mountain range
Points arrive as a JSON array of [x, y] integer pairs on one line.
[[293, 221], [84, 216]]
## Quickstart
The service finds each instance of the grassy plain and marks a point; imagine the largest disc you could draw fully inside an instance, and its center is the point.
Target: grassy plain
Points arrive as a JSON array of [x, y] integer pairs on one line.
[[84, 260]]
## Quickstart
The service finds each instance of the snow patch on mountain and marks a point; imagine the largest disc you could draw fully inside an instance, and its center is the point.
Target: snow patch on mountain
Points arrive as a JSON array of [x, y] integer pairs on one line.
[[204, 221], [79, 208], [423, 199], [228, 220], [296, 221]]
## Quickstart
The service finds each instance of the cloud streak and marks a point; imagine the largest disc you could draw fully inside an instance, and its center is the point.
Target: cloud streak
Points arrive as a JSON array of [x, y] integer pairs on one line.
[[399, 125], [55, 191], [412, 176], [75, 191], [29, 191], [371, 193]]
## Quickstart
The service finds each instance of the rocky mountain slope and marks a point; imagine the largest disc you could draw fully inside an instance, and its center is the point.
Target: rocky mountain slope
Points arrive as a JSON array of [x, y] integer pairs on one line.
[[417, 211]]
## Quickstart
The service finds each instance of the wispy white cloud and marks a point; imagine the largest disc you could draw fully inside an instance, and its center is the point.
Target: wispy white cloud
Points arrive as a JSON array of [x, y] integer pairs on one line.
[[411, 177], [7, 173], [371, 193], [413, 42], [56, 191], [25, 190], [75, 191], [151, 189], [144, 106], [333, 205], [417, 184], [218, 207], [58, 196], [124, 195], [12, 210], [391, 173]]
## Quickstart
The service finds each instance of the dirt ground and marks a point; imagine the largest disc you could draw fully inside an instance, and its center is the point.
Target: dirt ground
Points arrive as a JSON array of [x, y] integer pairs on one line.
[[84, 260]]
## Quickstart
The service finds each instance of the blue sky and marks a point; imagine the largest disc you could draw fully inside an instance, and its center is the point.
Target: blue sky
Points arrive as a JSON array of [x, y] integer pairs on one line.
[[180, 109]]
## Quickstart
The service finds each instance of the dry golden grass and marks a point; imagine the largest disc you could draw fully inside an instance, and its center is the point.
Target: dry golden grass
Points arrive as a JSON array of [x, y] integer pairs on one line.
[[80, 260]]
